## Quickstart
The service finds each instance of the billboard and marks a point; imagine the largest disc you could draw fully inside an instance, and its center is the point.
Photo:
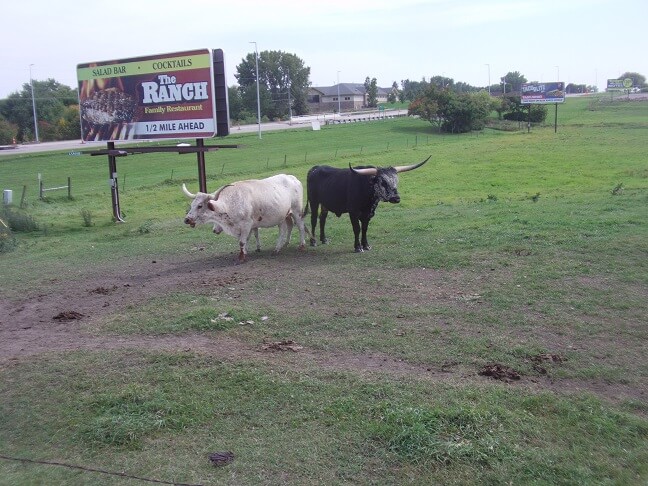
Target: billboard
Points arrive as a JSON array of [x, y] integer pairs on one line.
[[151, 97], [619, 84], [543, 93]]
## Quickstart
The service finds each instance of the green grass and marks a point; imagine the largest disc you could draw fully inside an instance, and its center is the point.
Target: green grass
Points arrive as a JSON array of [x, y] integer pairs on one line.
[[162, 414], [505, 247]]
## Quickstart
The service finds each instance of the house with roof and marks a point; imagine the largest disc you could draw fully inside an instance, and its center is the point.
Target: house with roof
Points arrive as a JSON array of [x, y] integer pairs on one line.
[[345, 96]]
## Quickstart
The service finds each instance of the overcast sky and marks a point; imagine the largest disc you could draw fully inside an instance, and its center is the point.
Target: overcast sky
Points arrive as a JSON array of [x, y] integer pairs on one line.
[[582, 41]]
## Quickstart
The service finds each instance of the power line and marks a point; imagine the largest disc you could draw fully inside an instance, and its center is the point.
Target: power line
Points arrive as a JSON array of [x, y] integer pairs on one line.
[[101, 471]]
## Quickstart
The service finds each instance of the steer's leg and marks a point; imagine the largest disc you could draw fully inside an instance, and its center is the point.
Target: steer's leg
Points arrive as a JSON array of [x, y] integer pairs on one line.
[[289, 227], [256, 236], [322, 220], [299, 220], [244, 236], [365, 226], [314, 211], [282, 240], [355, 222]]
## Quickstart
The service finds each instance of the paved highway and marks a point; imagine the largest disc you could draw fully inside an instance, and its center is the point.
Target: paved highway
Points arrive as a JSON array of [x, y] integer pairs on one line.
[[297, 122]]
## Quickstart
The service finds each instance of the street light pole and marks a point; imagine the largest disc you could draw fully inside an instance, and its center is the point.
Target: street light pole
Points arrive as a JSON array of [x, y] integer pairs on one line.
[[338, 86], [256, 63], [489, 83], [31, 84]]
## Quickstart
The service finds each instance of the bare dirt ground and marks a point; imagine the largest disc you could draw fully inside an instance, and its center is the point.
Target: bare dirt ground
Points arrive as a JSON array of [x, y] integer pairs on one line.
[[62, 316]]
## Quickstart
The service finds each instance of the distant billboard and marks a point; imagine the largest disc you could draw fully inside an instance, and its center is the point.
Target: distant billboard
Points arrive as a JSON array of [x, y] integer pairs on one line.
[[619, 84], [151, 97], [543, 93]]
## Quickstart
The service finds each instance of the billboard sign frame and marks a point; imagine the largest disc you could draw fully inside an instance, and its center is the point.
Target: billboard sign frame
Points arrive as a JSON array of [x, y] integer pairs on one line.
[[149, 97], [542, 93], [619, 84]]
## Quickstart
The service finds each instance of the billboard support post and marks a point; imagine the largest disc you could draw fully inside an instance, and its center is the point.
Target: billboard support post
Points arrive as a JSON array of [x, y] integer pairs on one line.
[[114, 188], [541, 94], [202, 173]]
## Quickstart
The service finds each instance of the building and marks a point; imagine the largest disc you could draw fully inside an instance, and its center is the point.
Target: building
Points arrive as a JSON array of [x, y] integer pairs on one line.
[[352, 96]]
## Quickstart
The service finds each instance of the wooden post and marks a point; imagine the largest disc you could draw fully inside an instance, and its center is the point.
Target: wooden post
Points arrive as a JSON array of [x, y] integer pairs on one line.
[[202, 177], [114, 184], [69, 188]]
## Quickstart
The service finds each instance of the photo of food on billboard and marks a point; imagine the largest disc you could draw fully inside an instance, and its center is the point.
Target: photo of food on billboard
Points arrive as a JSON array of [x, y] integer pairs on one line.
[[151, 97]]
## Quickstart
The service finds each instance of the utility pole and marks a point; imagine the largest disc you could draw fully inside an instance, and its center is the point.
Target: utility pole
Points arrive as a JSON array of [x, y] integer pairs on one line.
[[31, 83], [338, 86], [256, 63], [488, 78]]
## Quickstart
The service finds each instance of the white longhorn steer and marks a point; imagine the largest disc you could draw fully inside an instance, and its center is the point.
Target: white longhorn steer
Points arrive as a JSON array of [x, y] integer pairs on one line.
[[241, 207]]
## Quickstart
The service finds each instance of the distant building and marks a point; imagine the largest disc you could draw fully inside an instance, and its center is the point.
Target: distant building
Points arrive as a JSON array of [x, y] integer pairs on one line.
[[352, 96]]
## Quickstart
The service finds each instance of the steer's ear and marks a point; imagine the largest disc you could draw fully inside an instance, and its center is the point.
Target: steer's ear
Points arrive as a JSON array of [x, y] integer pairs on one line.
[[211, 204]]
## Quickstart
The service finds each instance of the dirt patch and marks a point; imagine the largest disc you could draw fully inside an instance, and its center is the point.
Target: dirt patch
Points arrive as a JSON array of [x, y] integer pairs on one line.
[[68, 316], [500, 372], [287, 345], [65, 315]]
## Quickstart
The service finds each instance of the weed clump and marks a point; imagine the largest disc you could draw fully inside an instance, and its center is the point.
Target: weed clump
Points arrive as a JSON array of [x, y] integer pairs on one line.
[[86, 215], [618, 189], [7, 239], [18, 221]]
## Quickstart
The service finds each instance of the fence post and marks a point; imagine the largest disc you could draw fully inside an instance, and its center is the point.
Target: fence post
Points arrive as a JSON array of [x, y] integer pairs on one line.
[[69, 188], [40, 188]]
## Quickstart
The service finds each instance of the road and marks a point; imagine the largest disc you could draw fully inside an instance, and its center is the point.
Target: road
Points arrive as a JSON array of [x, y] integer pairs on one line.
[[297, 122]]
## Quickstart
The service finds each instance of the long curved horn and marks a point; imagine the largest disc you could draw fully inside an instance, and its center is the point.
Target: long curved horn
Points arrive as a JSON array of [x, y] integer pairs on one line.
[[186, 191], [405, 168], [368, 171]]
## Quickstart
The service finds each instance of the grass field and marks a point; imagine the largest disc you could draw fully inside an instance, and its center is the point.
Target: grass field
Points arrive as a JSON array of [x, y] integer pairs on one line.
[[140, 348]]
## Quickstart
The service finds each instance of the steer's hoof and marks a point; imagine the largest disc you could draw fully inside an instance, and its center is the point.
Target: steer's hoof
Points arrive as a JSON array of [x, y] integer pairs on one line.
[[358, 249], [366, 247], [313, 242]]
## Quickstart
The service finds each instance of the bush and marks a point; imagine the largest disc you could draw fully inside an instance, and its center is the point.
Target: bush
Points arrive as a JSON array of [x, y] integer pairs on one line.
[[8, 132], [18, 220], [453, 112], [512, 109], [7, 240]]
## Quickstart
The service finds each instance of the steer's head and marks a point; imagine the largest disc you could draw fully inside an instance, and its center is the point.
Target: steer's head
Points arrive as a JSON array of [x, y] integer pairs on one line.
[[198, 213], [384, 181]]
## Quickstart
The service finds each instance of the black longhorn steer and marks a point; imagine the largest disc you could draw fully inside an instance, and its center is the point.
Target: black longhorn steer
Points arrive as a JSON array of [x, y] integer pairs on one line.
[[355, 191]]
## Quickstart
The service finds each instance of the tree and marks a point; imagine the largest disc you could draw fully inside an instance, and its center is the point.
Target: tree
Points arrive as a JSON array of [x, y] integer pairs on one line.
[[638, 79], [236, 109], [8, 132], [411, 90], [69, 125], [371, 90], [453, 112], [51, 99], [514, 81], [283, 84], [442, 82], [394, 93]]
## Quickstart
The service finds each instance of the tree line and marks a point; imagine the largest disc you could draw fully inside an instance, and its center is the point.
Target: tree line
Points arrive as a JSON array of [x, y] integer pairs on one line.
[[283, 82]]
